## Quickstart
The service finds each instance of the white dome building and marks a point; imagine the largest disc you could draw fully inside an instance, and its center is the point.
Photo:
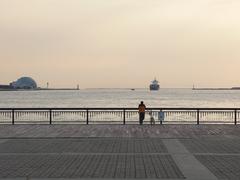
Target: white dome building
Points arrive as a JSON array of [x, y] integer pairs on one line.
[[24, 83]]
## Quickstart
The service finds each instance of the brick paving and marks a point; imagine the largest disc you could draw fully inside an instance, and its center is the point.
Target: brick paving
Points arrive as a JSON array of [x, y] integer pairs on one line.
[[223, 166], [87, 158], [158, 131], [120, 152], [84, 166], [83, 145], [216, 145]]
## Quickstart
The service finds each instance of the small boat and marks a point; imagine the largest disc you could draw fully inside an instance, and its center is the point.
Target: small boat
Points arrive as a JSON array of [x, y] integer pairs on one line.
[[154, 86], [133, 89]]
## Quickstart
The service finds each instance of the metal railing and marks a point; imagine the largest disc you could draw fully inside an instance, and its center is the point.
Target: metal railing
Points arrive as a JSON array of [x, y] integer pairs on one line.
[[118, 115]]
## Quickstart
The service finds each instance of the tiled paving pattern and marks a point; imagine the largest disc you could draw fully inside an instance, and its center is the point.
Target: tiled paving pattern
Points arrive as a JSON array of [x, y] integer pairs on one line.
[[84, 145], [89, 166], [158, 131], [70, 151], [223, 167], [87, 158], [216, 145]]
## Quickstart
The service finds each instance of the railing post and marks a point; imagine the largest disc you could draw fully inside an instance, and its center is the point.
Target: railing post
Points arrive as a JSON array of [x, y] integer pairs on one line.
[[50, 116], [13, 118], [124, 116], [87, 118], [235, 117], [198, 116]]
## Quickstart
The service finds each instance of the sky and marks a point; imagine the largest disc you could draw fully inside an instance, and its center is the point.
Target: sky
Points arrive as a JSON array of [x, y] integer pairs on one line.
[[121, 43]]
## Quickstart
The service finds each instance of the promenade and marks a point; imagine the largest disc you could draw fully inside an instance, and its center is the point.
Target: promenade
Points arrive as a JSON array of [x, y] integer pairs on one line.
[[192, 152]]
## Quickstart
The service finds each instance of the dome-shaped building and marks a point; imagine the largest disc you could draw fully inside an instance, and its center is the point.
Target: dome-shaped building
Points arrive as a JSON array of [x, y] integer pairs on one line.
[[24, 83]]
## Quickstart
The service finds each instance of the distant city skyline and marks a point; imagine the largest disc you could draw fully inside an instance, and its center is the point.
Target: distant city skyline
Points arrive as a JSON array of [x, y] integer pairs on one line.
[[121, 44]]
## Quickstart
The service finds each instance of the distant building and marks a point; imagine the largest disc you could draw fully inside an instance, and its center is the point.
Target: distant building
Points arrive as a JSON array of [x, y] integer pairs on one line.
[[21, 83], [24, 83]]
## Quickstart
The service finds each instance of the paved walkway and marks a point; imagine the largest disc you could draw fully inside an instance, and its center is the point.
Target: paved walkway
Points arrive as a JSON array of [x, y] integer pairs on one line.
[[158, 131], [205, 152]]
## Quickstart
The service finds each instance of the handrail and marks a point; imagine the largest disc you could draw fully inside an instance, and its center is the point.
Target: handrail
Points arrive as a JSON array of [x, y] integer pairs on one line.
[[119, 108], [196, 113]]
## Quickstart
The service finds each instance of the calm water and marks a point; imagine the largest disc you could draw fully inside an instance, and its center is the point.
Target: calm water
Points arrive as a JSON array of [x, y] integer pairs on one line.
[[120, 98]]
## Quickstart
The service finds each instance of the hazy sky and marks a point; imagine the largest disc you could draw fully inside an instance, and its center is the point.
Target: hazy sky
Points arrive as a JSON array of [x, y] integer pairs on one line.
[[121, 43]]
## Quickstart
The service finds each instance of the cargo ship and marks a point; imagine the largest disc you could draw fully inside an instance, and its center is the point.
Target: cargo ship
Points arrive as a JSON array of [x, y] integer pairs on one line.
[[154, 86]]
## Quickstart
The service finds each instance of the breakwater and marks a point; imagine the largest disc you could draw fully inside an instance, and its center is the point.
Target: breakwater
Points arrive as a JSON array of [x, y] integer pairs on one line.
[[221, 89]]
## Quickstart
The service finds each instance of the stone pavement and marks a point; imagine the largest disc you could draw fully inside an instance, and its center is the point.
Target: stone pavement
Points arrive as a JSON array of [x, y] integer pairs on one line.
[[205, 152]]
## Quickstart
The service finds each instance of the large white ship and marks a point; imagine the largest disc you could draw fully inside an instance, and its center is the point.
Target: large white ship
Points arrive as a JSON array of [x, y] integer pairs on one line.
[[154, 86]]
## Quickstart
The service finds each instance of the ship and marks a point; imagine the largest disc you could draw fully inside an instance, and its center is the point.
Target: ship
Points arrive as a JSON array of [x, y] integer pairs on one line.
[[154, 86]]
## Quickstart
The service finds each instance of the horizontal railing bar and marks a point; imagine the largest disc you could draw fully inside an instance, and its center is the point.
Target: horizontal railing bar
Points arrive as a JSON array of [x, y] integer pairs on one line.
[[154, 108]]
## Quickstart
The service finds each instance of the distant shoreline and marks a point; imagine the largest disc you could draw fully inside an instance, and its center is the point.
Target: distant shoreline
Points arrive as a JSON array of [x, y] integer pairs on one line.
[[219, 89], [42, 89], [75, 89]]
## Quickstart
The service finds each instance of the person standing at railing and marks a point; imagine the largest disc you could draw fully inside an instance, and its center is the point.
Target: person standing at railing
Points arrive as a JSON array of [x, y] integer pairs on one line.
[[141, 111]]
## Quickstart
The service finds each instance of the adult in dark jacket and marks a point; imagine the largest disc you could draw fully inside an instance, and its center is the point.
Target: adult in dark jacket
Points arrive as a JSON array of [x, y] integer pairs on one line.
[[141, 111]]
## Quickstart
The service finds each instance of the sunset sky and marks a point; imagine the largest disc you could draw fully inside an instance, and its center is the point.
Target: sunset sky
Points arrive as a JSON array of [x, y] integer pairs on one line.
[[121, 43]]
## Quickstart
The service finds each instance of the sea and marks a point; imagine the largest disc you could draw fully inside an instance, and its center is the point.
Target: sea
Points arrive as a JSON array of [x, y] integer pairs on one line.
[[165, 97]]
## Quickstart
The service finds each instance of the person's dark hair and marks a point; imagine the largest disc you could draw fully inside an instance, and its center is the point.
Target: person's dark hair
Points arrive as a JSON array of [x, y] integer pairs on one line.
[[141, 102]]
